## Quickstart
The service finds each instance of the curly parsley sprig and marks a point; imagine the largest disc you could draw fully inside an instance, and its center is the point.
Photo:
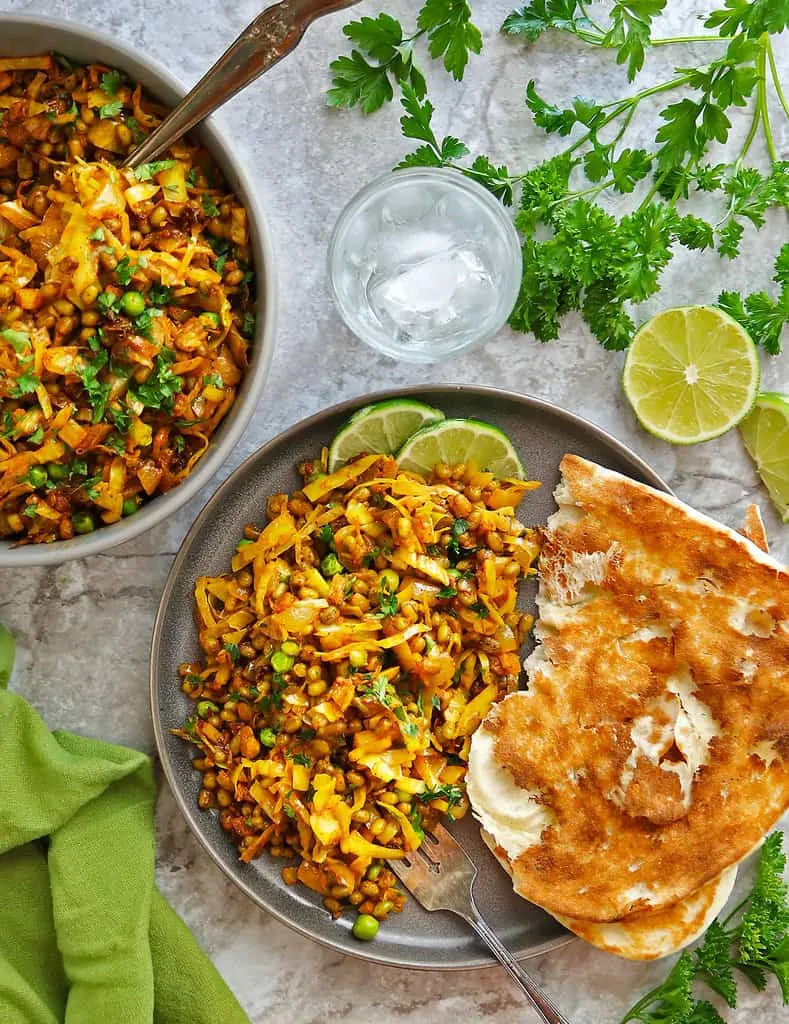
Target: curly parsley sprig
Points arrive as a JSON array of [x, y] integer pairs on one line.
[[753, 940], [590, 261]]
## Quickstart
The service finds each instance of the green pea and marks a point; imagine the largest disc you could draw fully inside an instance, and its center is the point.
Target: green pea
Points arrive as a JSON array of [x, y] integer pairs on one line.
[[331, 565], [281, 662], [133, 303], [211, 320], [365, 927], [83, 522], [37, 476], [268, 737], [130, 506], [57, 472], [374, 871], [291, 648], [206, 708]]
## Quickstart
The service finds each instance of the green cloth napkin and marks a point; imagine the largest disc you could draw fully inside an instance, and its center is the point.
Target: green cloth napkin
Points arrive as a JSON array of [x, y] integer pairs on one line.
[[85, 937]]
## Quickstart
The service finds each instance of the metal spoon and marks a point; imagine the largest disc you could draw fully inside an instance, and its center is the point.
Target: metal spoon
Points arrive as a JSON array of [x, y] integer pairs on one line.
[[270, 37]]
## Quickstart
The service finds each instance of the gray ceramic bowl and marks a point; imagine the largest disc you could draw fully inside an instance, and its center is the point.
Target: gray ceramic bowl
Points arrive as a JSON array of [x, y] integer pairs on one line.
[[20, 34]]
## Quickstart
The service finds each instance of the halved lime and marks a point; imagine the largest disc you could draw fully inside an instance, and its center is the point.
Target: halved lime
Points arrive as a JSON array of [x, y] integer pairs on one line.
[[380, 428], [765, 431], [454, 441], [691, 374]]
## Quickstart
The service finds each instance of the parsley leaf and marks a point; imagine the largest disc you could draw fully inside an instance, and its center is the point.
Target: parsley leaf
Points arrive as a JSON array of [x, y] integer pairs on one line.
[[25, 384], [210, 209], [446, 791], [147, 171], [162, 385], [630, 30], [18, 340], [540, 15], [97, 392], [37, 436], [234, 652], [450, 32], [160, 295], [111, 82], [112, 109]]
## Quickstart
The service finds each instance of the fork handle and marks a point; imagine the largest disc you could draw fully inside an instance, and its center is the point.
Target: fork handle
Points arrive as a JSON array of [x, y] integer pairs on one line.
[[538, 999]]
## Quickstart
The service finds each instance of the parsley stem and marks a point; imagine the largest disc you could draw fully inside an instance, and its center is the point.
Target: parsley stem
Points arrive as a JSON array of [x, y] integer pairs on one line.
[[757, 116], [690, 39], [776, 80], [622, 106], [592, 22], [761, 67]]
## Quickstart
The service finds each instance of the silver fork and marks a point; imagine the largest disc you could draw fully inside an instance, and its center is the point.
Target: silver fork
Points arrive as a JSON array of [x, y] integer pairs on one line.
[[441, 876]]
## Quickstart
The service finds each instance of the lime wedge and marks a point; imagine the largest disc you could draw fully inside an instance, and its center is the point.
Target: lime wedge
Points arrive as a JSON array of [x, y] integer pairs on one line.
[[453, 441], [765, 431], [691, 374], [380, 428]]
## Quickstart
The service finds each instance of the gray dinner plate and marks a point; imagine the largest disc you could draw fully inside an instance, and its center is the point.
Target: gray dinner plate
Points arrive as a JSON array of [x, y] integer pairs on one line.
[[542, 433]]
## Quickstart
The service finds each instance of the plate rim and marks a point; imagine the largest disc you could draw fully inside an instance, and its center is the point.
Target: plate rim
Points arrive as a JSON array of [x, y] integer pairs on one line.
[[365, 953]]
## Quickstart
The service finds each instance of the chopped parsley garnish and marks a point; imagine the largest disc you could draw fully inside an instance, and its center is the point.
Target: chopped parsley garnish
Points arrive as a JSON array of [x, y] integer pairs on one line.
[[125, 271], [289, 810], [112, 109], [387, 603], [111, 82], [480, 609], [19, 340], [377, 690], [447, 592], [116, 443], [97, 392], [210, 209], [120, 417], [97, 235], [108, 302], [160, 295], [161, 387], [459, 527], [191, 177], [326, 534], [446, 791], [234, 651], [147, 171], [301, 759], [37, 436], [26, 384], [248, 325], [213, 380], [30, 511], [221, 260]]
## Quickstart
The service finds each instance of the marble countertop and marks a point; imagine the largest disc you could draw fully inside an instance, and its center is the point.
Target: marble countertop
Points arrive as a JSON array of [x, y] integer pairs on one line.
[[84, 627]]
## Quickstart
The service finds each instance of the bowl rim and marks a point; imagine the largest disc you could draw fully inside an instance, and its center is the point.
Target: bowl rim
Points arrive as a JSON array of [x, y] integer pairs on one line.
[[223, 493], [238, 417]]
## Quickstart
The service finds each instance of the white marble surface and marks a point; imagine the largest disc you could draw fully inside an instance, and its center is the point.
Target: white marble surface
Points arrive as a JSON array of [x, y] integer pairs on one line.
[[84, 627]]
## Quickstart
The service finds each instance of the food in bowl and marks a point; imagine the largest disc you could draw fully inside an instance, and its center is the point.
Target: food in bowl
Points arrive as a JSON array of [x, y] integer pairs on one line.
[[127, 301], [354, 645]]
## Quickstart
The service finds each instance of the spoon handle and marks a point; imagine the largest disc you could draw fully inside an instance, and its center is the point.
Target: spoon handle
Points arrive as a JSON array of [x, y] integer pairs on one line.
[[270, 37]]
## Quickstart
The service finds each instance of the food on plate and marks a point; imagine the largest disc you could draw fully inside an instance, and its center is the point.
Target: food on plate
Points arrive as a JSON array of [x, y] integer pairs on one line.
[[649, 754], [353, 646], [126, 301], [380, 428], [765, 432], [691, 374]]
